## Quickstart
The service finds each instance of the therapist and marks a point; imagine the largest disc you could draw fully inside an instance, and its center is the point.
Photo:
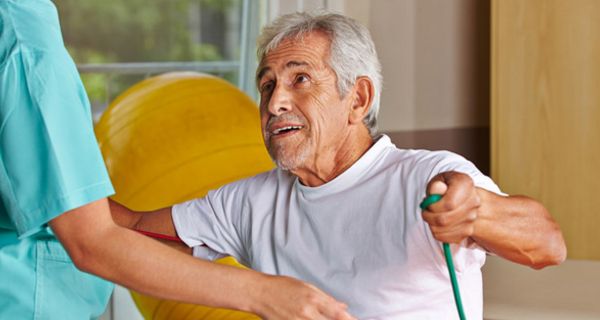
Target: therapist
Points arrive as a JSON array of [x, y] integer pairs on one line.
[[53, 189]]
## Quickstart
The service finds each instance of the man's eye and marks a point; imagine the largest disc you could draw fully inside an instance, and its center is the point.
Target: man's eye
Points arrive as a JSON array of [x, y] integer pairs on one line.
[[301, 78], [267, 87], [301, 81]]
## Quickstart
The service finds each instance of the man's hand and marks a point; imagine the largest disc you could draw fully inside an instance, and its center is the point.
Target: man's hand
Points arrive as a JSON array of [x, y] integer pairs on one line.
[[290, 299], [452, 218]]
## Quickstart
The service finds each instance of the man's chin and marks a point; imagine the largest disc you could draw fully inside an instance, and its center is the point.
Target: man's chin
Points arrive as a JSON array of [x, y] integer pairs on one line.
[[287, 159], [285, 164]]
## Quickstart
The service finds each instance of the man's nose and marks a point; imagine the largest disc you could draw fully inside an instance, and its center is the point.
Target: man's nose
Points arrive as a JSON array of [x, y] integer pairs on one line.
[[281, 101]]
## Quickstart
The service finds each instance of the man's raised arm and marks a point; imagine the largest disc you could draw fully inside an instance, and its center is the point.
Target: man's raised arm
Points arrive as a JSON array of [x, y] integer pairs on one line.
[[516, 228]]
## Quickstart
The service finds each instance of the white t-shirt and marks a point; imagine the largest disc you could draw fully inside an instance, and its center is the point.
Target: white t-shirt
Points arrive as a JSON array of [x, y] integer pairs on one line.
[[360, 237]]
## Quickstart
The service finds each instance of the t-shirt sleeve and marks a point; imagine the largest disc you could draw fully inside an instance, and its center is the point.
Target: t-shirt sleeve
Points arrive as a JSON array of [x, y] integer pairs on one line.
[[468, 254], [212, 225], [447, 161], [49, 158]]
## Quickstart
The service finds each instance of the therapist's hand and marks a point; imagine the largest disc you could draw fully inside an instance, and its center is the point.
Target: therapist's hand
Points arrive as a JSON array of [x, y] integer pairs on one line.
[[290, 299], [452, 219]]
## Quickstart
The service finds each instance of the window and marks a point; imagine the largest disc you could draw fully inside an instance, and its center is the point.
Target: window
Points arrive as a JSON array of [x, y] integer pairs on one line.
[[117, 43]]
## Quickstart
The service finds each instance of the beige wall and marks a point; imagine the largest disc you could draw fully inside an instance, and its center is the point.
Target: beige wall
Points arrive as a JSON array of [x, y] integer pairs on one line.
[[514, 292], [435, 63], [435, 59]]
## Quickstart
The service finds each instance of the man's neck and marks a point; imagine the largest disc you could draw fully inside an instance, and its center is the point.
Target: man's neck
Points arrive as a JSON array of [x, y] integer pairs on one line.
[[332, 163]]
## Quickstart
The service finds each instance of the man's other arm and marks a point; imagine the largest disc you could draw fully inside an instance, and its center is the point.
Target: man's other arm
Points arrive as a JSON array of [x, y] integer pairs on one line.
[[158, 222]]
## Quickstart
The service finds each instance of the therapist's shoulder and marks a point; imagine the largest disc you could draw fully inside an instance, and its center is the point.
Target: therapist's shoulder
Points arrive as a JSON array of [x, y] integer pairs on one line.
[[32, 25]]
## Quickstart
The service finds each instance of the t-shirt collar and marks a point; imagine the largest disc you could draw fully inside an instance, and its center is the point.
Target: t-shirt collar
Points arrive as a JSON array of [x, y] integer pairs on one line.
[[352, 174]]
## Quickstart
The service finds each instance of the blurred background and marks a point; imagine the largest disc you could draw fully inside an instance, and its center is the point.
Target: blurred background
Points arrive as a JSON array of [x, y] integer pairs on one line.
[[117, 43]]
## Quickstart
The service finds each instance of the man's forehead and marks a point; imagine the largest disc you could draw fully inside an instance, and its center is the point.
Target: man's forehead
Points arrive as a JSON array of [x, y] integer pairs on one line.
[[264, 68], [308, 50], [305, 41]]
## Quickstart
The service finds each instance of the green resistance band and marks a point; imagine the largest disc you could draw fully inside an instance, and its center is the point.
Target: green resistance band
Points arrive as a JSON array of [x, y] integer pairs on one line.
[[429, 200]]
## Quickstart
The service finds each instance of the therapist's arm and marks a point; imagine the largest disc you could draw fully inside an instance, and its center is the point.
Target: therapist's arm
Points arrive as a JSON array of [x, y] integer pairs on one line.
[[98, 245]]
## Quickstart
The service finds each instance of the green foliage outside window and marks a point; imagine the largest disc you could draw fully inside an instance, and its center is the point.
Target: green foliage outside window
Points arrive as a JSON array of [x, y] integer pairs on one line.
[[112, 31]]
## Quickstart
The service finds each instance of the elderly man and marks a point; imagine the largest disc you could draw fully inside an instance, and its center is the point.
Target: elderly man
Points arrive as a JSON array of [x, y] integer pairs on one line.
[[341, 211]]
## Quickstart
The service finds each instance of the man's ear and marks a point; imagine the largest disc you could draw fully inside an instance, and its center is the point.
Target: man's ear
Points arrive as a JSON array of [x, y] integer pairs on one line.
[[363, 95]]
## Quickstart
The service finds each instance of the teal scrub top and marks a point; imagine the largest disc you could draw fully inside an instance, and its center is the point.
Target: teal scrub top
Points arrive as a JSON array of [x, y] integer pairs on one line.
[[49, 163]]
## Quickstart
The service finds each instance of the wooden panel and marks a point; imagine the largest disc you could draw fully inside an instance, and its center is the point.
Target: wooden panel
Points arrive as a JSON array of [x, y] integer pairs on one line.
[[546, 111]]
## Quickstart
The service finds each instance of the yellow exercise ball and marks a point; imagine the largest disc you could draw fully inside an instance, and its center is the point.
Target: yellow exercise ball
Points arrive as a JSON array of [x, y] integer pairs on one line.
[[172, 138]]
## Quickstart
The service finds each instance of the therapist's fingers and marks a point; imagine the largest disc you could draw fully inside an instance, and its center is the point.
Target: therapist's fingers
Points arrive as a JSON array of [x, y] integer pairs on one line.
[[291, 299], [338, 312]]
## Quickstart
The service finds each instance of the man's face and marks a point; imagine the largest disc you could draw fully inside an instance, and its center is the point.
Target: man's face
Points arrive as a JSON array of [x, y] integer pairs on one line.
[[302, 114]]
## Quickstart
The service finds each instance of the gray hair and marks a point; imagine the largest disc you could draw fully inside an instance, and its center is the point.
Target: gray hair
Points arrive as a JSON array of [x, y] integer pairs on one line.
[[352, 52]]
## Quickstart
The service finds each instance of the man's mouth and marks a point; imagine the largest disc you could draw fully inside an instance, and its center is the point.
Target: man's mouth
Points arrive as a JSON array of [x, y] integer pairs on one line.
[[284, 130]]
